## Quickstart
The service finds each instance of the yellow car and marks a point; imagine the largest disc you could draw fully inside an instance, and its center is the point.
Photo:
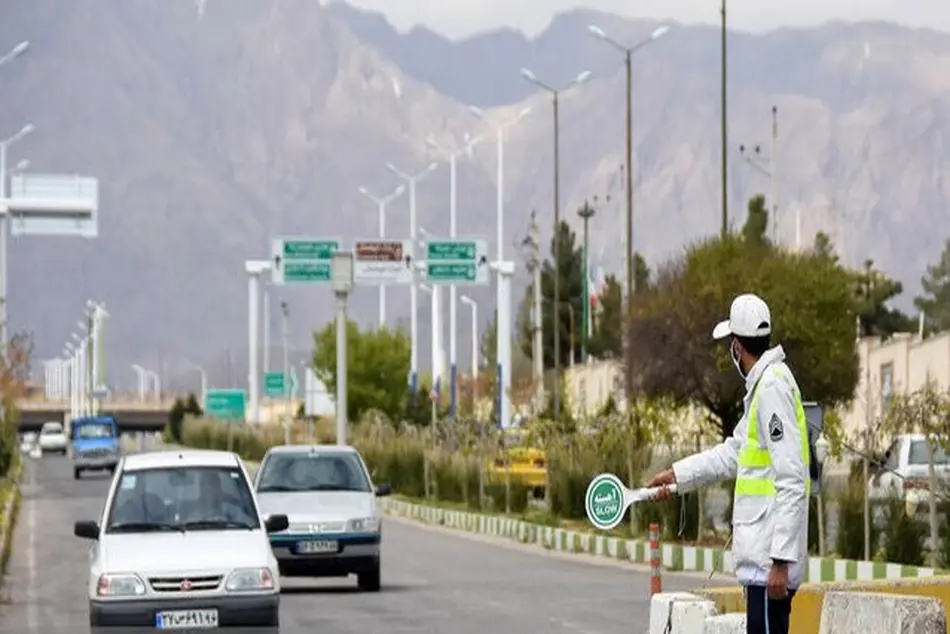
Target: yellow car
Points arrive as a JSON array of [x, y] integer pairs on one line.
[[527, 465]]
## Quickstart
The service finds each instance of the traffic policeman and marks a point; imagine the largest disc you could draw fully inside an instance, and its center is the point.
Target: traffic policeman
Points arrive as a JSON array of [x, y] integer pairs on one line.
[[768, 455]]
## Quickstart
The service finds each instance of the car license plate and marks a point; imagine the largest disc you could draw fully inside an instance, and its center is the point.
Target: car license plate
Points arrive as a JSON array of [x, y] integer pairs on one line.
[[183, 619], [318, 546]]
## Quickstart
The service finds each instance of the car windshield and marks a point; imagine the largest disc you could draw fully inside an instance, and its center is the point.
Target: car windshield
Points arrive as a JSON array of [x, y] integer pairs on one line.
[[313, 471], [93, 430], [51, 429], [181, 499], [918, 454]]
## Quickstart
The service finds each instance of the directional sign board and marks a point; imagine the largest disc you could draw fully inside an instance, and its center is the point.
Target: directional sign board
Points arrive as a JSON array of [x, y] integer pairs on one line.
[[302, 259], [457, 261], [228, 405], [382, 262], [275, 385], [54, 205]]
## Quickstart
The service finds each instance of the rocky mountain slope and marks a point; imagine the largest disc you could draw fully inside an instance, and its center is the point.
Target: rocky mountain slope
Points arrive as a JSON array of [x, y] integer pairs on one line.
[[210, 134]]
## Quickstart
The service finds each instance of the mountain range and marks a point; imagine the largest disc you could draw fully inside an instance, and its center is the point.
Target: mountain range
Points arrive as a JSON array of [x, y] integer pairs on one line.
[[212, 132]]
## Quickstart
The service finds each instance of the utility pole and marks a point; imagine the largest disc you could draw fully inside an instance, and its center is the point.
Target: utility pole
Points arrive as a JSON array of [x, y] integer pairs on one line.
[[724, 130], [284, 315], [868, 291], [533, 244], [769, 167], [586, 213]]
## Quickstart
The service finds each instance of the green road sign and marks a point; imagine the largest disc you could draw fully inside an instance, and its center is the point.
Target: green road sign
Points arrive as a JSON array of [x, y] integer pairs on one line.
[[604, 502], [307, 272], [302, 260], [276, 387], [451, 250], [463, 261], [452, 272], [228, 405]]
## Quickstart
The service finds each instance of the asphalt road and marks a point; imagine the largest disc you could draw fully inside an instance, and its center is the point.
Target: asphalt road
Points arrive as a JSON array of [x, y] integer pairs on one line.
[[433, 581]]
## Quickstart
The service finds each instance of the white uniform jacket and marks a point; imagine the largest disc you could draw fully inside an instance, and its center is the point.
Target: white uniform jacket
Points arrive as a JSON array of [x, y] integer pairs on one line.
[[764, 528]]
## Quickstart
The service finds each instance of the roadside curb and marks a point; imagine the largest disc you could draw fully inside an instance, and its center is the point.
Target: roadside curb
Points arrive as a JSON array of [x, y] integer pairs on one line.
[[675, 557], [8, 518]]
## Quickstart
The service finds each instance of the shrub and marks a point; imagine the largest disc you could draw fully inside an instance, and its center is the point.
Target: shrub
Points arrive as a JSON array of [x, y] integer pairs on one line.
[[903, 535], [850, 539]]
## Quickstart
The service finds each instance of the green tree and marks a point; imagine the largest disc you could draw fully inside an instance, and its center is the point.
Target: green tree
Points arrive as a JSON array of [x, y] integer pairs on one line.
[[934, 303], [378, 363], [755, 229], [176, 419], [607, 342], [812, 305], [570, 272], [641, 274], [823, 248], [874, 291]]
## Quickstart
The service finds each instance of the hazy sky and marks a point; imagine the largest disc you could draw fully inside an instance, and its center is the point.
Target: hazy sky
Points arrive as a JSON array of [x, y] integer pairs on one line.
[[458, 18]]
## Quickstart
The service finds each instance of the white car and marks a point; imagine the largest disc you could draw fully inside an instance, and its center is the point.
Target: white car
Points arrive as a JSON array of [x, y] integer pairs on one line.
[[328, 496], [906, 474], [53, 438], [181, 543]]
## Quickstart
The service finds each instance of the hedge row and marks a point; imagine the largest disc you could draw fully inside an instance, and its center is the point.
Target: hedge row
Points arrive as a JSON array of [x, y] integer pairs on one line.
[[453, 462]]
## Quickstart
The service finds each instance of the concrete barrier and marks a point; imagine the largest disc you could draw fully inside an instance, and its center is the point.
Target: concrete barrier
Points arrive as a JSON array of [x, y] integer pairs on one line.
[[679, 613], [864, 612], [726, 624], [808, 602]]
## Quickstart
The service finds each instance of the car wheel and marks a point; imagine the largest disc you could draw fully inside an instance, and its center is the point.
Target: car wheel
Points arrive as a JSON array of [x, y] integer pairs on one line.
[[76, 474], [369, 580]]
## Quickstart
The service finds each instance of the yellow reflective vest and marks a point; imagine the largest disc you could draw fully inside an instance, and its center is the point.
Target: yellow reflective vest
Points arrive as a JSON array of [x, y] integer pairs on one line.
[[768, 456]]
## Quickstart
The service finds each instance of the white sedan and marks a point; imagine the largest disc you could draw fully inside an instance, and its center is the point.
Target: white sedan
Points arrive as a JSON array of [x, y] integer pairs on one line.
[[328, 496], [53, 438], [906, 474], [181, 544]]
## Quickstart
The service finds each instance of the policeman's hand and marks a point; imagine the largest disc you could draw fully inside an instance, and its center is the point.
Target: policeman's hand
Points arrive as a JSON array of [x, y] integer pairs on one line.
[[778, 581], [663, 479]]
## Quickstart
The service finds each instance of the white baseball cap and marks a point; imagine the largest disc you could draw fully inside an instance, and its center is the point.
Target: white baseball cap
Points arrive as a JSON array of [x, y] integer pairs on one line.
[[749, 316]]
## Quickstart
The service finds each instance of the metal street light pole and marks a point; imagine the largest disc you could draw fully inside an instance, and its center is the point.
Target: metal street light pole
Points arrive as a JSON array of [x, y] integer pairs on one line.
[[586, 213], [381, 203], [555, 93], [284, 318], [5, 231], [628, 53], [724, 130], [412, 179], [471, 302], [466, 148]]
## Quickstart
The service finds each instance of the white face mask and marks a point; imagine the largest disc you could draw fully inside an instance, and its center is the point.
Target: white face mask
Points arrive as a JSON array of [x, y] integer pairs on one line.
[[736, 359]]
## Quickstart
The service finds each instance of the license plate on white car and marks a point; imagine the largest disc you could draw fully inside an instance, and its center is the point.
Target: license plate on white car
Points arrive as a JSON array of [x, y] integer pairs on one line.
[[317, 547], [184, 619]]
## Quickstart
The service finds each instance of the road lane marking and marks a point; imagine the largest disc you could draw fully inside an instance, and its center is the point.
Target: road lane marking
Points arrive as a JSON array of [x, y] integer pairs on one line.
[[31, 593]]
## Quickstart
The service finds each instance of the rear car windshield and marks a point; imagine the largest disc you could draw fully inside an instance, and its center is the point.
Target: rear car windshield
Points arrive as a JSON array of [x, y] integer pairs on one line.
[[918, 454], [182, 499], [94, 430], [51, 429], [313, 471]]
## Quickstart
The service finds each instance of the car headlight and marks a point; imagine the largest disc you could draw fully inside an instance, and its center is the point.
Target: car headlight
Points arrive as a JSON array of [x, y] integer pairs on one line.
[[249, 579], [363, 525], [120, 585]]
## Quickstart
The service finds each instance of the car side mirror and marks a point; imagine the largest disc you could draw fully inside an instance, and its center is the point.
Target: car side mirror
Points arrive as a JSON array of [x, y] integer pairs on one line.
[[383, 490], [87, 529], [276, 523]]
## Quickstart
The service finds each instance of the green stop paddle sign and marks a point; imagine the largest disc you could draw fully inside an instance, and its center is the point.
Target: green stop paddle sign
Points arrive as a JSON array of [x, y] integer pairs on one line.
[[606, 502]]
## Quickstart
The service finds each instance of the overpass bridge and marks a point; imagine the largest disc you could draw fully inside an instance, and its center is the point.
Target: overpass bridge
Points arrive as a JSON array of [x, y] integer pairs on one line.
[[133, 415]]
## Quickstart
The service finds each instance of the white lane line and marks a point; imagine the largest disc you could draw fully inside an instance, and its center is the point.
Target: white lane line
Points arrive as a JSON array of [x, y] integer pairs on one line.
[[32, 616]]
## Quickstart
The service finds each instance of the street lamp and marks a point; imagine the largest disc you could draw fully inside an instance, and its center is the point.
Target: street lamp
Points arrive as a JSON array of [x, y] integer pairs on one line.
[[255, 270], [15, 52], [586, 213], [381, 203], [342, 282], [5, 225], [467, 147], [412, 179], [21, 166], [628, 53], [555, 94], [204, 381]]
